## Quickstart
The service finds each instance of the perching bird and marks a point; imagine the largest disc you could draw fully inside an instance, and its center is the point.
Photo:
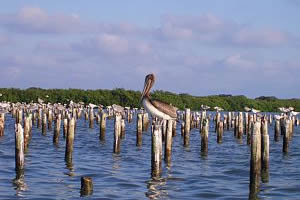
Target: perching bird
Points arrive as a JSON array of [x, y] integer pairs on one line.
[[156, 108]]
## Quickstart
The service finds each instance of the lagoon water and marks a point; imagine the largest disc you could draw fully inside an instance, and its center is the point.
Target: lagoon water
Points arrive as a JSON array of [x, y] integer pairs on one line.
[[223, 174]]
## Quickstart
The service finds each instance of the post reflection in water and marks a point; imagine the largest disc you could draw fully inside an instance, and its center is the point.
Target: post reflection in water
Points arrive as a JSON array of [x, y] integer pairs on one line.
[[19, 183], [156, 189]]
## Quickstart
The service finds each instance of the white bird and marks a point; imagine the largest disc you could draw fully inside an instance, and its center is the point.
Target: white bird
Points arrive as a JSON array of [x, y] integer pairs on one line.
[[92, 105], [204, 107], [41, 101], [117, 108], [293, 113], [218, 109]]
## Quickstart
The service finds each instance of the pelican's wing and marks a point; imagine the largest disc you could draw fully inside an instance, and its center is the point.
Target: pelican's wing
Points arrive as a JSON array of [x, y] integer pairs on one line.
[[165, 108]]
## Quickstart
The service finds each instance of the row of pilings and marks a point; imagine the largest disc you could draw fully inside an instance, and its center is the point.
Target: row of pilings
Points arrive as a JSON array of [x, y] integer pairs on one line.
[[252, 127]]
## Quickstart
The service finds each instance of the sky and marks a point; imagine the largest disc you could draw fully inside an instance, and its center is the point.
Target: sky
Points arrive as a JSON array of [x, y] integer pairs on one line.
[[205, 47]]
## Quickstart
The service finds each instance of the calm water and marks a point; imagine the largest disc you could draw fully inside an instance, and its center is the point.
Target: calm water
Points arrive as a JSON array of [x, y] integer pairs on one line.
[[223, 174]]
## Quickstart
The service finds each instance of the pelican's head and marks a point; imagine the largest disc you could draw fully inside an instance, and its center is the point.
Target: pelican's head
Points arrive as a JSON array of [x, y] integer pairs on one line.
[[149, 81]]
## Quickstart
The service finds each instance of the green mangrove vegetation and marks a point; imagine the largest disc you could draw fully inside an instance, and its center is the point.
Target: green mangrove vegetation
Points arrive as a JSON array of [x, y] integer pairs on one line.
[[132, 98]]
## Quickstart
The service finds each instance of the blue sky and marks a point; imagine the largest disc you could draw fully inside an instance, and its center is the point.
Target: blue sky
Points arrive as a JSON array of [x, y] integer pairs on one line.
[[210, 47]]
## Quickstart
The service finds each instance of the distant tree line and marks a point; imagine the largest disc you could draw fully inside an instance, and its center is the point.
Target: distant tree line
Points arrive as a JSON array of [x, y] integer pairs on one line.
[[132, 98]]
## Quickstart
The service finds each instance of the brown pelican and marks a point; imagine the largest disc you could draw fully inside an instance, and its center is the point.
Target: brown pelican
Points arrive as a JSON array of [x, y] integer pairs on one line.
[[161, 110]]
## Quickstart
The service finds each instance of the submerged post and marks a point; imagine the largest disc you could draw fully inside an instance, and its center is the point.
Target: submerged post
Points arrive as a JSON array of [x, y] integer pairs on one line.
[[86, 186]]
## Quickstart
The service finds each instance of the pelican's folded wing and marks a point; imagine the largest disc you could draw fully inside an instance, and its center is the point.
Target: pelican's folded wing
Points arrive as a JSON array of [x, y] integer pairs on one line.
[[165, 108]]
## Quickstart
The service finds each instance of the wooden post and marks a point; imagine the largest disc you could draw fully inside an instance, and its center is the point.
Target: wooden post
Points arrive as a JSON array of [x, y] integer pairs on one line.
[[240, 126], [19, 150], [156, 152], [19, 118], [168, 143], [218, 118], [220, 132], [65, 127], [86, 186], [255, 162], [103, 125], [2, 123], [229, 125], [57, 129], [70, 141], [44, 124], [122, 128], [117, 133], [265, 151], [182, 129], [50, 119], [250, 126], [174, 128], [204, 137], [246, 123], [139, 130], [26, 132], [91, 118], [187, 127], [277, 130], [145, 121], [40, 116], [286, 136]]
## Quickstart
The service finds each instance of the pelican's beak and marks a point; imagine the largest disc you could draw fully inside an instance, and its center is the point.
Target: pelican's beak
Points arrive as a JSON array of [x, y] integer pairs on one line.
[[147, 87]]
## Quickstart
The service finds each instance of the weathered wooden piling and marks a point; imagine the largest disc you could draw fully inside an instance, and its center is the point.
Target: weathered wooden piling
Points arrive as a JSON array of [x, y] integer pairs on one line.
[[168, 143], [19, 118], [187, 127], [44, 124], [57, 129], [2, 124], [103, 126], [122, 128], [145, 121], [182, 129], [277, 130], [19, 149], [156, 152], [139, 129], [229, 125], [65, 128], [265, 151], [117, 134], [220, 132], [218, 118], [174, 124], [86, 186], [50, 119], [70, 141], [250, 126], [204, 137], [246, 129], [91, 118], [26, 132], [240, 126], [255, 161], [286, 136], [40, 116]]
